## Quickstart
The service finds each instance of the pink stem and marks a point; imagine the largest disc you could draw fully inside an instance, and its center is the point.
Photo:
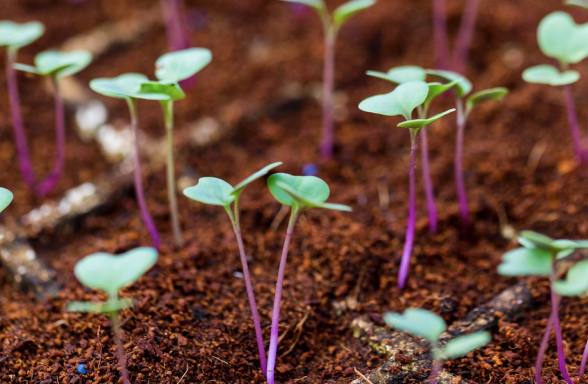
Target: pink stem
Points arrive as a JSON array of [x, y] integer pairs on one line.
[[273, 347], [429, 192], [584, 360], [440, 35], [561, 357], [574, 124], [465, 35], [177, 36], [459, 180], [406, 253], [328, 87], [543, 349], [119, 348], [435, 371]]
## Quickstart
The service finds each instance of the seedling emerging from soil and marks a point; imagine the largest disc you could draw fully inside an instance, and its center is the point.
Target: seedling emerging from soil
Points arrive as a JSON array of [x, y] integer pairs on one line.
[[461, 89], [405, 74], [300, 193], [562, 39], [331, 25], [14, 36], [211, 190], [128, 87], [172, 68], [538, 257], [110, 273], [429, 326], [57, 65], [402, 102]]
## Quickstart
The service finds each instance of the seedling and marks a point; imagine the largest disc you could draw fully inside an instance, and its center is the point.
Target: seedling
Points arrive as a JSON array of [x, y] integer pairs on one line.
[[14, 36], [110, 273], [172, 68], [5, 198], [57, 65], [461, 89], [562, 39], [405, 74], [331, 25], [211, 190], [539, 257], [300, 193], [429, 326], [402, 102], [128, 87]]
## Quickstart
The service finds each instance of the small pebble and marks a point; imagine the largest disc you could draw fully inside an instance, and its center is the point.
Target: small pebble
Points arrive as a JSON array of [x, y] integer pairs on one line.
[[310, 170], [82, 369]]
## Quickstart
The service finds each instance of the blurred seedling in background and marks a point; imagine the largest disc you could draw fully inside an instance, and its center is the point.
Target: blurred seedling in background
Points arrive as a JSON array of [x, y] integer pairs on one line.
[[539, 256], [214, 191], [172, 68], [461, 89], [110, 273], [14, 36], [128, 87], [560, 38], [300, 193], [331, 25], [406, 74], [56, 65], [429, 326], [402, 102]]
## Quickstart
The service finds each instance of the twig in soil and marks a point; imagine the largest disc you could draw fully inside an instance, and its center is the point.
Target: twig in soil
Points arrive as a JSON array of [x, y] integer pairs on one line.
[[282, 213], [535, 156], [298, 328], [383, 195], [362, 376], [187, 369], [222, 361]]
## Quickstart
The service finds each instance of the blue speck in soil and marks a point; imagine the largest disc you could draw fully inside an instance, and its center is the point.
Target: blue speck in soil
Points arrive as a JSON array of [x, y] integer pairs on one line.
[[82, 369], [310, 170]]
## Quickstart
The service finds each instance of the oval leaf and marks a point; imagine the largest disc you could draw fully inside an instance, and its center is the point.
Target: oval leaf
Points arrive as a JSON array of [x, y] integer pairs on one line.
[[492, 94], [402, 101], [548, 74], [463, 86], [462, 345], [14, 35], [436, 89], [402, 74], [61, 64], [110, 273], [154, 90], [308, 188], [319, 5], [262, 172], [526, 262], [419, 123], [211, 190], [123, 86], [419, 322], [576, 282], [578, 3], [180, 65], [345, 11], [5, 198], [561, 38]]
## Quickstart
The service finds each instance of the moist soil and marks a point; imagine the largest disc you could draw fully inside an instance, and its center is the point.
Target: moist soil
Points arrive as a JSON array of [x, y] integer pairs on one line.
[[192, 321]]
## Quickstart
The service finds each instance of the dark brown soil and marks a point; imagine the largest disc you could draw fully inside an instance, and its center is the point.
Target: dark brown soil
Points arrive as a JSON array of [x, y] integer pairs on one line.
[[193, 316]]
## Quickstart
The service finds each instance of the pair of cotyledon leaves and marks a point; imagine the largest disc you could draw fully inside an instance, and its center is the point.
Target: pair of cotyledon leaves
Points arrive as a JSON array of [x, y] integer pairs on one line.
[[430, 326], [560, 38], [342, 13], [537, 256], [14, 35], [110, 273], [299, 192], [171, 68]]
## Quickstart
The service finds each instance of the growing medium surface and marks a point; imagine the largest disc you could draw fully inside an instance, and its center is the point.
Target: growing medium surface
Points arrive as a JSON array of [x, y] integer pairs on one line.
[[193, 313]]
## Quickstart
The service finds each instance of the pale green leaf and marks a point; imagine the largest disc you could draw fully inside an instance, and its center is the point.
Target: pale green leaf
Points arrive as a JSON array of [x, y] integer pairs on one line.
[[318, 5], [561, 38], [26, 68], [419, 322], [154, 90], [262, 172], [579, 3], [5, 198], [61, 64], [180, 65], [463, 86], [123, 86], [402, 101], [417, 124], [548, 74], [402, 74], [110, 306], [307, 189], [576, 282], [478, 98], [345, 11], [526, 262], [462, 345], [211, 190], [436, 89], [14, 35]]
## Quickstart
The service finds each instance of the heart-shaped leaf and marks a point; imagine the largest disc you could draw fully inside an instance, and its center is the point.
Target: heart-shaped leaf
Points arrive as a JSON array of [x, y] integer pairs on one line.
[[548, 74], [561, 38], [154, 90], [108, 307], [123, 86], [262, 172], [180, 65], [211, 190], [345, 11], [402, 74], [579, 3], [14, 35], [478, 98], [462, 345], [59, 64], [401, 101], [319, 5], [526, 262], [110, 273], [576, 282], [463, 86], [417, 124], [419, 322], [5, 198]]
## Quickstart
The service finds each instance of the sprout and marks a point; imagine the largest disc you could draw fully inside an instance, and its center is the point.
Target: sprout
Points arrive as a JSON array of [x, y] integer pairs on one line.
[[14, 36], [110, 273], [56, 65], [128, 87], [461, 89], [403, 101], [332, 22], [211, 190], [172, 68], [429, 326], [538, 257], [300, 193], [560, 38]]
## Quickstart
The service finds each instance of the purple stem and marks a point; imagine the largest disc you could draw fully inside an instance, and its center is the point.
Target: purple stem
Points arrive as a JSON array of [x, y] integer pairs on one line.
[[574, 124], [119, 348], [584, 359], [435, 371], [250, 296], [459, 181], [45, 186], [440, 35], [273, 347], [465, 35], [175, 26], [147, 219], [429, 192], [405, 262], [561, 357], [328, 87], [20, 137], [543, 349]]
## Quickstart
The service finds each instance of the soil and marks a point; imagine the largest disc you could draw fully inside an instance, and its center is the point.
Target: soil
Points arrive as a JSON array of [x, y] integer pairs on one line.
[[192, 321]]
